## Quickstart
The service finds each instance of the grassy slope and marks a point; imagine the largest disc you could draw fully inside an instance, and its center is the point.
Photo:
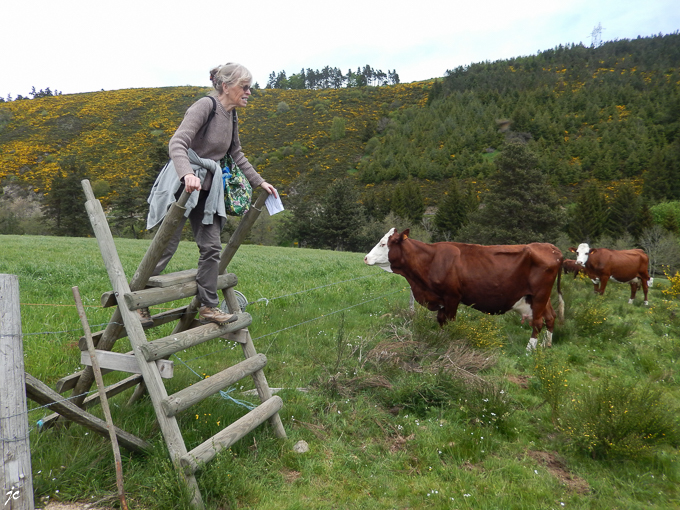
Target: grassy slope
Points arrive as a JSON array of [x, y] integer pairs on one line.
[[361, 456]]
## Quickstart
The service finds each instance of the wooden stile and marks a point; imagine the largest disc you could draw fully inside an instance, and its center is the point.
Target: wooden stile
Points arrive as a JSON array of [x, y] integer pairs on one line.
[[150, 357]]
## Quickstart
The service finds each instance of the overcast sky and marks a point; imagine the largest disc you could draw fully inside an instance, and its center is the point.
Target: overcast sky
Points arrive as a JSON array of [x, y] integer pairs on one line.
[[87, 45]]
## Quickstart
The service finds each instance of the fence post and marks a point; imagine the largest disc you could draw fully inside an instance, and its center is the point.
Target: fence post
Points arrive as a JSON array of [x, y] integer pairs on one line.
[[15, 451]]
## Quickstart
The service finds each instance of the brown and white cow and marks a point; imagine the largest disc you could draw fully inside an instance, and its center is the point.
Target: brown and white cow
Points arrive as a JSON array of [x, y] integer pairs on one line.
[[624, 266], [492, 279], [571, 266]]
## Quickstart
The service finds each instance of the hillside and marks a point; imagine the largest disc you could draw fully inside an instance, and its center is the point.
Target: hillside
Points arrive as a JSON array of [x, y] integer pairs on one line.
[[114, 133], [608, 115]]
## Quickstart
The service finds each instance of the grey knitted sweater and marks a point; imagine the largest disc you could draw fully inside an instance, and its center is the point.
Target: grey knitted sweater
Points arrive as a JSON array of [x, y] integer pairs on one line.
[[213, 143]]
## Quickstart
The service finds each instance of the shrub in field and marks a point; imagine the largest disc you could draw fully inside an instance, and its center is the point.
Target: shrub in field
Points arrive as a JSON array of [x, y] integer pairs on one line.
[[620, 420], [591, 319], [479, 330], [673, 291], [552, 382]]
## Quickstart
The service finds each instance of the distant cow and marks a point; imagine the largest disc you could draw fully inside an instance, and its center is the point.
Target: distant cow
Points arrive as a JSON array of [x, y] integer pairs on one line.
[[492, 279], [571, 266], [625, 266]]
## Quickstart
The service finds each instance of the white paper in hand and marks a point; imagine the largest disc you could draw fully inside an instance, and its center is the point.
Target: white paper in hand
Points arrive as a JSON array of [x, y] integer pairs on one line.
[[274, 204]]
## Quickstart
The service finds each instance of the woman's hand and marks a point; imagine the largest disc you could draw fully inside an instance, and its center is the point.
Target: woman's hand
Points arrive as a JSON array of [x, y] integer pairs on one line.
[[191, 183], [268, 188]]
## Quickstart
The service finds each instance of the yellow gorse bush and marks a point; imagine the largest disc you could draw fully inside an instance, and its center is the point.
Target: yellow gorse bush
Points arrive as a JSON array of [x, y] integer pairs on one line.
[[113, 133], [673, 291]]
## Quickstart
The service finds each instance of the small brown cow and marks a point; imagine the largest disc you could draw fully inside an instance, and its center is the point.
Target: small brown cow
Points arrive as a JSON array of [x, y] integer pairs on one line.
[[571, 266], [625, 266], [491, 279]]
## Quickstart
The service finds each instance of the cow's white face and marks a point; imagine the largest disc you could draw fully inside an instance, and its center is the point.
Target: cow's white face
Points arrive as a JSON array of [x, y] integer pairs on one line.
[[378, 255], [582, 253]]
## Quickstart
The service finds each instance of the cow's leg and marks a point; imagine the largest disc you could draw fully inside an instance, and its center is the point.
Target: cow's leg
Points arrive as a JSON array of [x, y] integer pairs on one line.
[[633, 290], [536, 326], [645, 287], [447, 312], [603, 285], [549, 315]]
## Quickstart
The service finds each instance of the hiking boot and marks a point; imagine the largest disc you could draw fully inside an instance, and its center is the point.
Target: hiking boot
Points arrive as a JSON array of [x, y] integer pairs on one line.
[[209, 314], [145, 317]]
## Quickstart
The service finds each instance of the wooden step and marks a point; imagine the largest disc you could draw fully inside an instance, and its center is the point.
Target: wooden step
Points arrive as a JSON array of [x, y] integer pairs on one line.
[[207, 450], [201, 390], [156, 295], [170, 279], [164, 347], [158, 320], [129, 363]]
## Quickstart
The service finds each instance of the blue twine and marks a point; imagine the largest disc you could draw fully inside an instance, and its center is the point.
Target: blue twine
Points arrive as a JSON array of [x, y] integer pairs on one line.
[[225, 395]]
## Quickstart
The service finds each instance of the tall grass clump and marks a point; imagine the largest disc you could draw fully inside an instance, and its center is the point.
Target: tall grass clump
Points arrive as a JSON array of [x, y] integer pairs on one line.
[[616, 419], [552, 384]]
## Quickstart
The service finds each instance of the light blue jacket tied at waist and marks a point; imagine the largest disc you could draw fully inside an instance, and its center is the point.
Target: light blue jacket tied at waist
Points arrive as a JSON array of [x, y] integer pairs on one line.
[[167, 183]]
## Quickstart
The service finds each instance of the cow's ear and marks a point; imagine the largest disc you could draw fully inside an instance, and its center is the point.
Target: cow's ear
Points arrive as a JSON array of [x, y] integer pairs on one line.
[[572, 249], [405, 233], [592, 250]]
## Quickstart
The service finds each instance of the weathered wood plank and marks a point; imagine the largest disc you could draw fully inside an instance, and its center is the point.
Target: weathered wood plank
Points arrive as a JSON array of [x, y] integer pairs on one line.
[[15, 449], [164, 347], [201, 390], [125, 363], [39, 392], [170, 279], [154, 296], [207, 450]]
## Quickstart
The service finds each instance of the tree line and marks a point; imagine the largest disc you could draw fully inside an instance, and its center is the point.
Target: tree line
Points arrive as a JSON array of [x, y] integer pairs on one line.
[[33, 93], [332, 77]]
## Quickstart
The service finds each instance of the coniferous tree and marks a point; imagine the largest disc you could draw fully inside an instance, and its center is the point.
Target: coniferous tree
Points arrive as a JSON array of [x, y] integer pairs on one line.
[[453, 212], [589, 216], [342, 218], [521, 207], [129, 207], [64, 203], [623, 211]]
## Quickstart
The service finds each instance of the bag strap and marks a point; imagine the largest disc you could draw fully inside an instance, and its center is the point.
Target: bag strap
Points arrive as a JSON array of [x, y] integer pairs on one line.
[[204, 127]]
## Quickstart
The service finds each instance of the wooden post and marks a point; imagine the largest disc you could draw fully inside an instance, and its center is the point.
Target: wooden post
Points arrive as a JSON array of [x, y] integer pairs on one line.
[[15, 451], [102, 395]]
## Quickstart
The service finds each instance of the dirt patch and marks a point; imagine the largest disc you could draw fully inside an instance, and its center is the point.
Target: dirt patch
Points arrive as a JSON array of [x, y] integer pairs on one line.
[[58, 505], [520, 380], [557, 468]]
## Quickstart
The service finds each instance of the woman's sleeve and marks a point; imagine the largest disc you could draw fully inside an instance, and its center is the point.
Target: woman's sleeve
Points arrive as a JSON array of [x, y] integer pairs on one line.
[[248, 170], [181, 141]]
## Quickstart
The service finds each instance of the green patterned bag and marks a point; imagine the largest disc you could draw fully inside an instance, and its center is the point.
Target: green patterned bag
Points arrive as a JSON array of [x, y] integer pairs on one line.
[[237, 190]]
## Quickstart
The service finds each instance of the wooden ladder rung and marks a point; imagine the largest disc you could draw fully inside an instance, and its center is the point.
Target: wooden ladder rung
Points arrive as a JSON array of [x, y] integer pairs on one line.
[[129, 363], [157, 295], [164, 347], [169, 279], [158, 320], [207, 450], [187, 397]]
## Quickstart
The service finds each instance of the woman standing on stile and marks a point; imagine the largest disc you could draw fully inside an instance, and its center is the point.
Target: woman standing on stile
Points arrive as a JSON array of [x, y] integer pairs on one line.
[[196, 149]]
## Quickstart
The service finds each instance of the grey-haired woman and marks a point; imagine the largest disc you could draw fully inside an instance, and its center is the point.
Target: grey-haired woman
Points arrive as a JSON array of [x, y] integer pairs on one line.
[[195, 151]]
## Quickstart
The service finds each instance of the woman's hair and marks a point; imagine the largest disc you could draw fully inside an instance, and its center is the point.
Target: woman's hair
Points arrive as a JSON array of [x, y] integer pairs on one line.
[[230, 74]]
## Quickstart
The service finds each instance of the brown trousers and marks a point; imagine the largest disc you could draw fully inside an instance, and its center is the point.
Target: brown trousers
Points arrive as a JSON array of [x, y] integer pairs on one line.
[[207, 238]]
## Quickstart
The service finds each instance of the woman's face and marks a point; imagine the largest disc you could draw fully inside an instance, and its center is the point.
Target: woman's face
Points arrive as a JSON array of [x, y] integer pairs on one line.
[[237, 94]]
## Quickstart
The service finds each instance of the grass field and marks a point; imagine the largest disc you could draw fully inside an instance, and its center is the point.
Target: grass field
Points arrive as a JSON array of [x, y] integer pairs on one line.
[[397, 413]]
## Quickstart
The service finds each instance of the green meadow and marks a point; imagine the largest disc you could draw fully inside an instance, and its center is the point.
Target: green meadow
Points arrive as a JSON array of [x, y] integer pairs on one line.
[[397, 412]]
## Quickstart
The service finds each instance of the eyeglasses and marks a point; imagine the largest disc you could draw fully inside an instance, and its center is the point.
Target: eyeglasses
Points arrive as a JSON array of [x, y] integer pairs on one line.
[[246, 88]]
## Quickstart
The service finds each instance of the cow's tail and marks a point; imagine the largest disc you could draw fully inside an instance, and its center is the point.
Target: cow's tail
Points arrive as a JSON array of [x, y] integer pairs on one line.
[[560, 299]]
